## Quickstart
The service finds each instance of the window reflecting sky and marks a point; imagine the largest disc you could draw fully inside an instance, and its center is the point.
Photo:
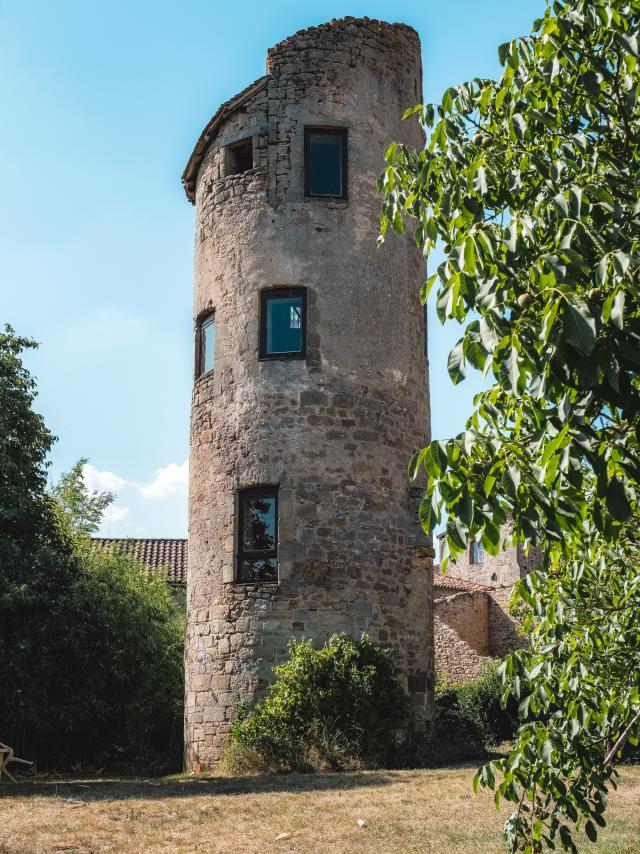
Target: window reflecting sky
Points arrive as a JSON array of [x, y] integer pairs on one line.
[[284, 329]]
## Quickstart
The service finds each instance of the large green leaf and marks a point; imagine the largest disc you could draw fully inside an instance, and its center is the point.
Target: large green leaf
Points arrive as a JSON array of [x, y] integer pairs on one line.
[[579, 326], [456, 363]]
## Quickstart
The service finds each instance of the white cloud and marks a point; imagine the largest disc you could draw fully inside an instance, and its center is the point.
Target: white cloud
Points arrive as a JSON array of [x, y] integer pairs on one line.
[[102, 481], [172, 480], [114, 514]]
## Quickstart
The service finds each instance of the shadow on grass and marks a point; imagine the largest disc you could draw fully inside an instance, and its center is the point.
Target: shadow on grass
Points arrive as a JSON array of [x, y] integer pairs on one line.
[[87, 790]]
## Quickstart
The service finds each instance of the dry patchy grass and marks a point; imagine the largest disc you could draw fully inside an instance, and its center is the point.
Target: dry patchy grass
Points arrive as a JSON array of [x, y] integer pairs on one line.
[[404, 811]]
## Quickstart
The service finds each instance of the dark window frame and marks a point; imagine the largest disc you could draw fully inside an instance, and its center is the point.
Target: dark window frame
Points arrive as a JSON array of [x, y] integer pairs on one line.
[[335, 131], [278, 293], [204, 320], [241, 554]]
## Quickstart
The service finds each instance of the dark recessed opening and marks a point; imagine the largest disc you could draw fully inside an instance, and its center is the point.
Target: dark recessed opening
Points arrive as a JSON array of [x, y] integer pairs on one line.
[[239, 157]]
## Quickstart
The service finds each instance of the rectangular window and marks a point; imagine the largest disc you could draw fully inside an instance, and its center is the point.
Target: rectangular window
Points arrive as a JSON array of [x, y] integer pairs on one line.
[[258, 534], [239, 157], [325, 162], [205, 344], [283, 322], [477, 553]]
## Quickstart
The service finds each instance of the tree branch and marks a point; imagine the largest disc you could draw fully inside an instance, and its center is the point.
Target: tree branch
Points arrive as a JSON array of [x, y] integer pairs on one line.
[[620, 743]]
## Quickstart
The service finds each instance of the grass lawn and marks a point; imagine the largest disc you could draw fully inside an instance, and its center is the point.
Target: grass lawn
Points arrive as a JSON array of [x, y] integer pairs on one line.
[[403, 811]]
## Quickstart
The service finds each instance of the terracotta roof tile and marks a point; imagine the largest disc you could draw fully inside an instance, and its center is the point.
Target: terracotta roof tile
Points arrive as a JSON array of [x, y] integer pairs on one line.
[[170, 555], [447, 582]]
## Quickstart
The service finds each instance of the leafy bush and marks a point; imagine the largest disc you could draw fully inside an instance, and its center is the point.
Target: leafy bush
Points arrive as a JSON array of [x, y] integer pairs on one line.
[[335, 707], [133, 643], [468, 718], [113, 695], [481, 701], [457, 733]]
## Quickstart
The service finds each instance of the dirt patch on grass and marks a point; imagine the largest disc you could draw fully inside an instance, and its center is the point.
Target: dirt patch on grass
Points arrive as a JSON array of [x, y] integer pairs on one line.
[[369, 812]]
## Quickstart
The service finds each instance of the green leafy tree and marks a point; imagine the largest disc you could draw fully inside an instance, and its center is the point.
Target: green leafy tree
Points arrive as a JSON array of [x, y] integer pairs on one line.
[[531, 186], [129, 649], [37, 565], [81, 508], [90, 641]]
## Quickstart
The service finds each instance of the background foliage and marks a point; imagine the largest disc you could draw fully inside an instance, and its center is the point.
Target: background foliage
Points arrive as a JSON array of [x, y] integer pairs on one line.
[[468, 719], [531, 184], [80, 509], [90, 642]]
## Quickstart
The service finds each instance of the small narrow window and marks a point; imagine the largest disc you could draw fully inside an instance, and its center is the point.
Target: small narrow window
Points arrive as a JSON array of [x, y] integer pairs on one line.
[[258, 534], [426, 336], [205, 344], [283, 322], [325, 162], [477, 553], [239, 157]]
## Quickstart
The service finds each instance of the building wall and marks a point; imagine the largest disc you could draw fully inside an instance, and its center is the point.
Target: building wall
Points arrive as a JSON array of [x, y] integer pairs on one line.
[[461, 636], [500, 570], [471, 628], [334, 431], [457, 660], [503, 627]]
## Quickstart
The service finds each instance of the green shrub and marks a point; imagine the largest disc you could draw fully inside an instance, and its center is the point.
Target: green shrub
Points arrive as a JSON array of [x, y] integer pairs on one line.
[[481, 701], [108, 691], [132, 708], [455, 736], [335, 707], [468, 718]]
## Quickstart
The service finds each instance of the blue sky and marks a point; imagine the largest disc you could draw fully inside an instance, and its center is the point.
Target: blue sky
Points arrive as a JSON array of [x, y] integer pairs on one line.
[[102, 103]]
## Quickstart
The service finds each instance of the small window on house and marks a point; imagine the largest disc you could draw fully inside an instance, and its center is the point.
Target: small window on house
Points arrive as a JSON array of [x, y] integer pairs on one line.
[[258, 534], [283, 322], [205, 343], [477, 553], [239, 157], [325, 162]]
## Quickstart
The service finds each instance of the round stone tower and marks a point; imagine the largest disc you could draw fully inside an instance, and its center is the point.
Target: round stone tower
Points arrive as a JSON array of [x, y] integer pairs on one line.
[[311, 382]]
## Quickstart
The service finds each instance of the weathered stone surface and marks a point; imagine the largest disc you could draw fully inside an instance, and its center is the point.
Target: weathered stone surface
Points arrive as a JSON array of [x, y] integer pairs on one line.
[[470, 628], [334, 431]]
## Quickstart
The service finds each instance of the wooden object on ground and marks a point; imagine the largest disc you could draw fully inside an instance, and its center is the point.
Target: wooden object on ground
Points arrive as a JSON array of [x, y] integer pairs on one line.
[[7, 756]]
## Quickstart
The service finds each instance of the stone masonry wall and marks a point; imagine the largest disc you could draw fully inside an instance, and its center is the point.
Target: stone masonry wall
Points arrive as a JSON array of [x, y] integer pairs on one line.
[[471, 628], [503, 627], [333, 431], [461, 636]]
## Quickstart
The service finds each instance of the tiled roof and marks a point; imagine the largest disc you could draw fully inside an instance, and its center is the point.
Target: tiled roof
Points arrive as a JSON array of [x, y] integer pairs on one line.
[[446, 582], [168, 555]]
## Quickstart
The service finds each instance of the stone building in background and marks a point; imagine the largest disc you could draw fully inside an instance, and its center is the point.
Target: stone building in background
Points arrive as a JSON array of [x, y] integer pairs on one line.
[[311, 386], [472, 621], [504, 569]]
